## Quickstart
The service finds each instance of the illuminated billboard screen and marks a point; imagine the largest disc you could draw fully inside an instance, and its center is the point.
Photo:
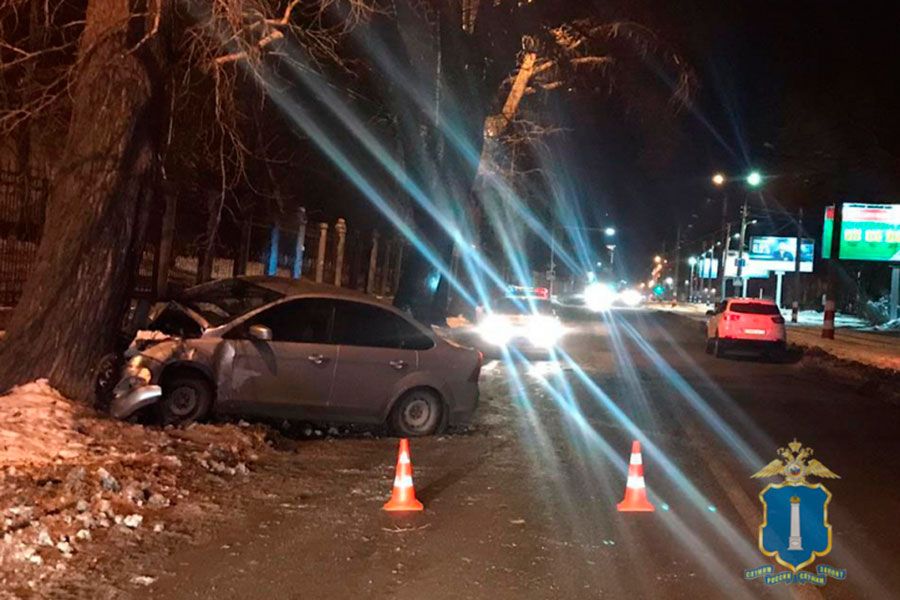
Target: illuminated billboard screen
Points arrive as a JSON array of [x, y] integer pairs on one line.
[[707, 268], [751, 270], [780, 253], [870, 232]]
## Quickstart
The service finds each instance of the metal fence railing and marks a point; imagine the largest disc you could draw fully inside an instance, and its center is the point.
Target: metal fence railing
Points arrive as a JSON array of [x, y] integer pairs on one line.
[[23, 202]]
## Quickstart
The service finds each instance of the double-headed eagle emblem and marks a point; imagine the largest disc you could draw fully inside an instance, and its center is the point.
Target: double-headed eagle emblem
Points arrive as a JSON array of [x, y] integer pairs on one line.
[[795, 465]]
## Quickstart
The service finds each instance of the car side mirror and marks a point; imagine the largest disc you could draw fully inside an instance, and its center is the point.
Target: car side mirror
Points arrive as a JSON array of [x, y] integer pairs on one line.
[[710, 313], [261, 333]]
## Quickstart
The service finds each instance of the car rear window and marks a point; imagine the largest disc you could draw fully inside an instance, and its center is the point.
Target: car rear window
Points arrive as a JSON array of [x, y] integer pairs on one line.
[[754, 308]]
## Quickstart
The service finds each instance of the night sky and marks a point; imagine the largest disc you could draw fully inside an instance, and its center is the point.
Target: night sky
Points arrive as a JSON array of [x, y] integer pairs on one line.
[[804, 91]]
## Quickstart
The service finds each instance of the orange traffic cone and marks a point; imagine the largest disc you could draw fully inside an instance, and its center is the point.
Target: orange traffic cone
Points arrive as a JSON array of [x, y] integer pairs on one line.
[[635, 490], [403, 497]]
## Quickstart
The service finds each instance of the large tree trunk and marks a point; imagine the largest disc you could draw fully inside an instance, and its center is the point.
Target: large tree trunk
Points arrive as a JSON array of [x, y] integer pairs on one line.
[[72, 305], [444, 64]]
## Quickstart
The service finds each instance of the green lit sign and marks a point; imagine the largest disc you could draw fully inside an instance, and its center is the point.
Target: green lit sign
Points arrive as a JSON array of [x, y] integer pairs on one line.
[[870, 232], [659, 290]]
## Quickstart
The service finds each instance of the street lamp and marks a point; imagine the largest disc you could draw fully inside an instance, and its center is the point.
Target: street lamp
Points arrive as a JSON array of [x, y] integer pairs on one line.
[[692, 261], [657, 259], [718, 179], [754, 179], [610, 231]]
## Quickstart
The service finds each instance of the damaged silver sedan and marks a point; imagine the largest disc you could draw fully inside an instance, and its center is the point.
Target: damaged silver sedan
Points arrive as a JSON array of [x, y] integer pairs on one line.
[[278, 348]]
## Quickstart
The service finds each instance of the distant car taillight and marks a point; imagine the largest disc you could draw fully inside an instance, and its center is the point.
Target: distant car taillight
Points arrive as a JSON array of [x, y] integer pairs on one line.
[[476, 372], [779, 320], [732, 317]]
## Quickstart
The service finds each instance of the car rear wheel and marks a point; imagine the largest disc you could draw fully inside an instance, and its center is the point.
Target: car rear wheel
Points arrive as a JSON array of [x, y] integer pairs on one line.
[[186, 398], [718, 348], [419, 412]]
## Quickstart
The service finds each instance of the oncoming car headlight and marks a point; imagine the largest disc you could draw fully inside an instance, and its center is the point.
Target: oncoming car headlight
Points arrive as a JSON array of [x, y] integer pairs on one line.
[[496, 330], [599, 296], [545, 331]]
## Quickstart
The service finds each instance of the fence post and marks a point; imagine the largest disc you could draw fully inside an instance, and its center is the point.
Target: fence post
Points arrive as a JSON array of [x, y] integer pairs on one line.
[[341, 228], [386, 266], [398, 265], [373, 264], [297, 269], [272, 263], [320, 256], [166, 240]]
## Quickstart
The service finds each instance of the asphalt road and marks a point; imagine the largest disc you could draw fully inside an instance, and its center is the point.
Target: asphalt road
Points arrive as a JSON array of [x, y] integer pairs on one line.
[[522, 505]]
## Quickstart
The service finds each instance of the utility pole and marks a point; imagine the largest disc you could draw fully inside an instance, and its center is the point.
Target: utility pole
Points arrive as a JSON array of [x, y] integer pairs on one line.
[[726, 243], [795, 305], [677, 260], [726, 247], [740, 259]]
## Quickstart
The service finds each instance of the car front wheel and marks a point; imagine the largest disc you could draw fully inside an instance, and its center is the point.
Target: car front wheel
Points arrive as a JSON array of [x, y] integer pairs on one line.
[[419, 412], [185, 399]]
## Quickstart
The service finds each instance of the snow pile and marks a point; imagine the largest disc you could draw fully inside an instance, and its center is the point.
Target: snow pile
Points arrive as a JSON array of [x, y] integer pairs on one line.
[[889, 326], [38, 426], [872, 349], [73, 481]]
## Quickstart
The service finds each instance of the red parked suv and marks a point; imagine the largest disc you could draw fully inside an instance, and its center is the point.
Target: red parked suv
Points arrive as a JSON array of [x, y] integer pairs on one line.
[[745, 323]]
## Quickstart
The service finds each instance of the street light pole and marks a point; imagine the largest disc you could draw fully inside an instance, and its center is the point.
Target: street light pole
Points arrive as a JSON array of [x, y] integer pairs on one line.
[[726, 244], [677, 260], [740, 260]]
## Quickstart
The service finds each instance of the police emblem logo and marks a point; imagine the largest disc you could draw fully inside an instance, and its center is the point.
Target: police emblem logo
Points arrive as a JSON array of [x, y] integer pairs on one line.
[[795, 529]]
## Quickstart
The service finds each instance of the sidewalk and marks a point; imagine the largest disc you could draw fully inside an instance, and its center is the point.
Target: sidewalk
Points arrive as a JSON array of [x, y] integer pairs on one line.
[[855, 339]]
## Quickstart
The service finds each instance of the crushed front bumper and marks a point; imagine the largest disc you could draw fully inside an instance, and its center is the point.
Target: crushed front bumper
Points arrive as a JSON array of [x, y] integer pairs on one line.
[[132, 401]]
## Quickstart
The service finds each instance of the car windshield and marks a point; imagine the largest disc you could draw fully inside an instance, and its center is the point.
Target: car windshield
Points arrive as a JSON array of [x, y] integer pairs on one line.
[[227, 300], [754, 308], [518, 306]]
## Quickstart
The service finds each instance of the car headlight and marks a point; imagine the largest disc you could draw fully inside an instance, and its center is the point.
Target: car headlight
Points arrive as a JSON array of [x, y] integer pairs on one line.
[[496, 329], [599, 296], [545, 331], [134, 375]]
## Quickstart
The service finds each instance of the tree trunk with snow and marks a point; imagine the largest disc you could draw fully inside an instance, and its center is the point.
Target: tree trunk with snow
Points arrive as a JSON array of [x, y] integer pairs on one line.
[[72, 305]]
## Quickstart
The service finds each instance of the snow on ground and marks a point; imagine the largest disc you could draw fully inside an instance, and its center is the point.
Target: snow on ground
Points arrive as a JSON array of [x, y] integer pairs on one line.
[[815, 318], [889, 326], [74, 482]]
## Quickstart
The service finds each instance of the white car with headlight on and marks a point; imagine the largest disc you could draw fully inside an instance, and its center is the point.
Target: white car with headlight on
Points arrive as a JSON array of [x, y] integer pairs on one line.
[[525, 322]]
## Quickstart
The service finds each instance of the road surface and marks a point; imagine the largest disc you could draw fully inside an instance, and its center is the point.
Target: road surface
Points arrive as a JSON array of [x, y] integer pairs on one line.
[[522, 505]]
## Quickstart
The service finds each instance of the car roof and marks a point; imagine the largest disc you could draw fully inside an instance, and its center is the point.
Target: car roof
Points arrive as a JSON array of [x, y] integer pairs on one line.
[[288, 287], [299, 288], [752, 300]]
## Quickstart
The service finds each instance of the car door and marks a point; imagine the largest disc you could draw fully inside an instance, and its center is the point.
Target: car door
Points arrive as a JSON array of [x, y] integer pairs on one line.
[[291, 375], [377, 349]]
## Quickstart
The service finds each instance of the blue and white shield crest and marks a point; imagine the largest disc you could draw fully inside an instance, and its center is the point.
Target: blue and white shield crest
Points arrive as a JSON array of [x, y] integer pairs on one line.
[[795, 527]]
